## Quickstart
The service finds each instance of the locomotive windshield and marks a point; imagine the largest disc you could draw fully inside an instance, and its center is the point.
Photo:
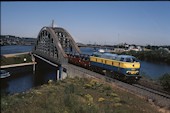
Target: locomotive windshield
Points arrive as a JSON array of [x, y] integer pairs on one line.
[[97, 54], [131, 59], [127, 58]]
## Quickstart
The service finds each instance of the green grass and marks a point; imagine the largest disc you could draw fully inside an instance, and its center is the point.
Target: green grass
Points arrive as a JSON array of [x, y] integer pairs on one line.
[[72, 96], [15, 59]]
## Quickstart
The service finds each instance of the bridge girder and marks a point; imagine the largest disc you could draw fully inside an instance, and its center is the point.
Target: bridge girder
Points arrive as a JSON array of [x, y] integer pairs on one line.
[[53, 43]]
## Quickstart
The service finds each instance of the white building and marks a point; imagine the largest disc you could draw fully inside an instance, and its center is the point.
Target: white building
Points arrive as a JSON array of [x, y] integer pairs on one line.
[[133, 48]]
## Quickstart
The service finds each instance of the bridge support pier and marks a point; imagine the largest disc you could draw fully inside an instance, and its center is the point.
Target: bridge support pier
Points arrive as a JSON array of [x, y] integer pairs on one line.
[[59, 73], [33, 68], [33, 60]]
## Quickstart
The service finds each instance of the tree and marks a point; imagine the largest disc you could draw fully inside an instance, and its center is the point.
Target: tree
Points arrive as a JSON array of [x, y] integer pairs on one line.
[[165, 81]]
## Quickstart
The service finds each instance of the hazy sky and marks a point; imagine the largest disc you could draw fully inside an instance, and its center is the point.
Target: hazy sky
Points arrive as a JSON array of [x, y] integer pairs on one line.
[[92, 22]]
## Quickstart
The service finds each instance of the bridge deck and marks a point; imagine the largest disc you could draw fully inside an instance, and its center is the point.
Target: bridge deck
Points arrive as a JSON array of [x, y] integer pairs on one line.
[[17, 65], [11, 55]]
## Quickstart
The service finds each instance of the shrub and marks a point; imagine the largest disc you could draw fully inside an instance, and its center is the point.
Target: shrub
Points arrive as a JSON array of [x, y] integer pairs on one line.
[[69, 89], [101, 99], [50, 82], [165, 81], [93, 82], [107, 88], [89, 99], [87, 86], [99, 84], [117, 104], [69, 101], [116, 99], [113, 95]]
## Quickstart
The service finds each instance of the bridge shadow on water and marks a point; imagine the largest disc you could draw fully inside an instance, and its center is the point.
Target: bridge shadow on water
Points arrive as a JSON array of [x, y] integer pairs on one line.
[[23, 78], [44, 72]]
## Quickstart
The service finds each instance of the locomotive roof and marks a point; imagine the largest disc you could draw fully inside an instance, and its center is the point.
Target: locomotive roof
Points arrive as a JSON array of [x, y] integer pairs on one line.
[[97, 53], [126, 56], [110, 54]]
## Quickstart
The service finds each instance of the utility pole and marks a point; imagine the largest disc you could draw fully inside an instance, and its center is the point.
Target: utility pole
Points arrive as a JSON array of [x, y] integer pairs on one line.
[[118, 40], [52, 25]]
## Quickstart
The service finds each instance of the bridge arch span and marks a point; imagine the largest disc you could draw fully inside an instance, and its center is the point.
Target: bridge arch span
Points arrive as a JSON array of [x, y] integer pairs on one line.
[[53, 44]]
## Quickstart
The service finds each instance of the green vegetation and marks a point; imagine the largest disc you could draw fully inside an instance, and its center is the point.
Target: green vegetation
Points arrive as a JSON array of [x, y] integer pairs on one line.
[[154, 55], [73, 95], [165, 81], [17, 59]]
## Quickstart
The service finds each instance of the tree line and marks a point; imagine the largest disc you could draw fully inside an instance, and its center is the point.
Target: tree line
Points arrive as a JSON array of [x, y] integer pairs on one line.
[[160, 56]]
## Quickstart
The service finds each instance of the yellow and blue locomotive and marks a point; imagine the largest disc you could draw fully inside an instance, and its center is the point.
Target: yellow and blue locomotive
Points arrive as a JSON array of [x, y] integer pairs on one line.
[[124, 67]]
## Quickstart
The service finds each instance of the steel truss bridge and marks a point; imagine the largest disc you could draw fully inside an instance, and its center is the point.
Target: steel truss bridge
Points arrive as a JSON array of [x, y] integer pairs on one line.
[[52, 46]]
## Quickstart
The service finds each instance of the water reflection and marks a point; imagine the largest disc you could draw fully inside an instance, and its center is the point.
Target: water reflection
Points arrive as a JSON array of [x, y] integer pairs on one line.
[[154, 70], [11, 49], [23, 81], [20, 84]]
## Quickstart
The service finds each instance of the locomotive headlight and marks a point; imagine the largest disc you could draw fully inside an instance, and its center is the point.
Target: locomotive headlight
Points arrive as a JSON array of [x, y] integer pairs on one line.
[[132, 72], [137, 72], [127, 72]]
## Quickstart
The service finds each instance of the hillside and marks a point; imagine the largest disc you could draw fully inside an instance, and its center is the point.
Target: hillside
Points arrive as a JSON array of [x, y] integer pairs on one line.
[[76, 95]]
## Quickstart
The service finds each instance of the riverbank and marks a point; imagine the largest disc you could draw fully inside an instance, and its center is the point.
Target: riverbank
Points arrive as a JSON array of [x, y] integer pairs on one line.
[[80, 95], [153, 84], [17, 58]]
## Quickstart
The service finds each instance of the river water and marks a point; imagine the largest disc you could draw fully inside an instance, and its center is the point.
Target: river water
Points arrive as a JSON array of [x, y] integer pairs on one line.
[[15, 49], [23, 81]]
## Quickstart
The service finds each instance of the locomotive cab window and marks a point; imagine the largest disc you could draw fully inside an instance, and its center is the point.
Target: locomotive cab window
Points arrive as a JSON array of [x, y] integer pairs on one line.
[[131, 60], [134, 60], [122, 59], [128, 60], [86, 59]]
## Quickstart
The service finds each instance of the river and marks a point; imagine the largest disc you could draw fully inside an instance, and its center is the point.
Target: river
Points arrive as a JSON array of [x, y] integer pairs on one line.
[[24, 81], [15, 49]]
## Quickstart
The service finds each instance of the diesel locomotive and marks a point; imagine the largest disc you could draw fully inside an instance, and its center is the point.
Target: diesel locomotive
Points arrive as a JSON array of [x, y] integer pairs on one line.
[[122, 67]]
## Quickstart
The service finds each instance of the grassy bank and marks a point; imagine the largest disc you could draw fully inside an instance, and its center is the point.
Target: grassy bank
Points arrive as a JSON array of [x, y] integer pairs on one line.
[[15, 59], [160, 84], [76, 95]]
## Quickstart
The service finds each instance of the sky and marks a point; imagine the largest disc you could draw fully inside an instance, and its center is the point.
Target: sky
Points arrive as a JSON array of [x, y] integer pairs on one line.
[[99, 22]]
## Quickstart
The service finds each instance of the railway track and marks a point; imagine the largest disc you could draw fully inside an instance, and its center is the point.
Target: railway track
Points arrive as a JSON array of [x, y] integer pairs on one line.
[[153, 96], [158, 98], [152, 91]]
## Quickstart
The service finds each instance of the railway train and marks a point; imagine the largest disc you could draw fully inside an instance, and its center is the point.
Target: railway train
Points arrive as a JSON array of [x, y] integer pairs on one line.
[[122, 67]]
